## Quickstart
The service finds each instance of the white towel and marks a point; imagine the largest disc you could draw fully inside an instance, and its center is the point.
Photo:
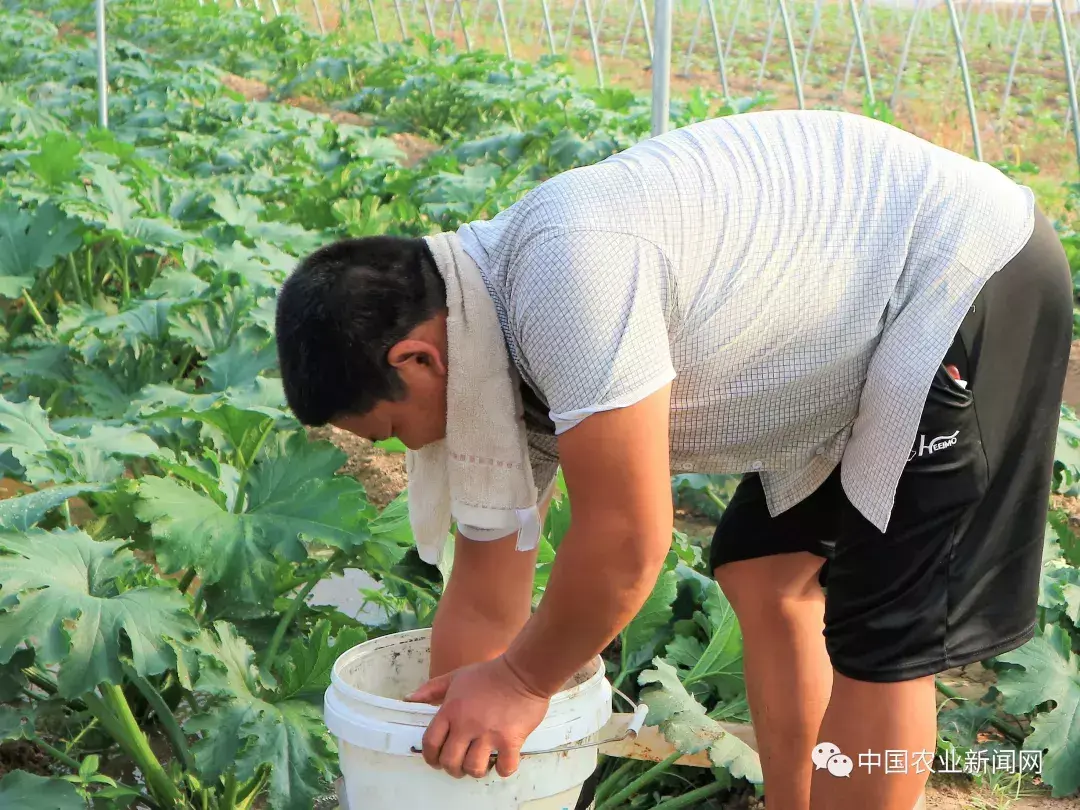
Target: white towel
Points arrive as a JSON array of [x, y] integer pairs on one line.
[[480, 474]]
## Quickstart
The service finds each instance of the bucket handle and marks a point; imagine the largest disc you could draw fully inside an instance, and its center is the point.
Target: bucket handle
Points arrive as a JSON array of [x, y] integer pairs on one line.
[[637, 720]]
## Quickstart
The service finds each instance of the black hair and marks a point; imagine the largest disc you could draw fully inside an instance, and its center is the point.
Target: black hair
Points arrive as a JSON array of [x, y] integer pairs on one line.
[[339, 313]]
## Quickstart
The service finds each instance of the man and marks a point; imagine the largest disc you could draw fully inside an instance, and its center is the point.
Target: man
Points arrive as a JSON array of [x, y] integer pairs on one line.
[[872, 329]]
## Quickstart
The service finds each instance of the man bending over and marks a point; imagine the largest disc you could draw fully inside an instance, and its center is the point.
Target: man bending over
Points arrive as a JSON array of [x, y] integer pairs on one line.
[[873, 330]]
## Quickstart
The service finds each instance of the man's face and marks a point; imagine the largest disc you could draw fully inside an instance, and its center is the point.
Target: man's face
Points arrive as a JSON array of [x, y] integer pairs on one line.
[[417, 419]]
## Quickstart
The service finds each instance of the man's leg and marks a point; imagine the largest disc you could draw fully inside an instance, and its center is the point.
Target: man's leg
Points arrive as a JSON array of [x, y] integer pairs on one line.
[[780, 607], [875, 718]]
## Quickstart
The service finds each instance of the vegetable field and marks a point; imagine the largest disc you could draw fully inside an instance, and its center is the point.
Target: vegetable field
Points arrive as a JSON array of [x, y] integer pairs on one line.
[[164, 519]]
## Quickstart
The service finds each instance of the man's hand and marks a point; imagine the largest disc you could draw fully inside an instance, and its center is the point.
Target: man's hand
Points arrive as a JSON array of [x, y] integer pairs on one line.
[[485, 708]]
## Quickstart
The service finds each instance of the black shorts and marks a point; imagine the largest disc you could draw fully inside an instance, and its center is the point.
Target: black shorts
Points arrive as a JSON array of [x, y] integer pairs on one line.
[[955, 578]]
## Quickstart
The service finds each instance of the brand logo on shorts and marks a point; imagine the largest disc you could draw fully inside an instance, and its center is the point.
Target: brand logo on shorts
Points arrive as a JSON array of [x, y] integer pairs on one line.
[[922, 447]]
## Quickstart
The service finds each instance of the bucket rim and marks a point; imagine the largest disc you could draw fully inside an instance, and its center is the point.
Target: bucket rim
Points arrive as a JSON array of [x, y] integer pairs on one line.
[[392, 639]]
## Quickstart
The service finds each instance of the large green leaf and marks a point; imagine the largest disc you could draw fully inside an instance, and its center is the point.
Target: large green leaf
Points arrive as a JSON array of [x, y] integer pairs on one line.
[[718, 660], [21, 513], [684, 724], [31, 242], [50, 456], [240, 364], [248, 727], [26, 791], [16, 721], [1051, 672], [307, 664], [73, 611], [121, 215], [292, 496], [639, 637]]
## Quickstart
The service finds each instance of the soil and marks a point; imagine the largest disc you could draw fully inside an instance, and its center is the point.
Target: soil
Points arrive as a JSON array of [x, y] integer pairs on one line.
[[415, 149], [381, 473], [16, 755], [1072, 380]]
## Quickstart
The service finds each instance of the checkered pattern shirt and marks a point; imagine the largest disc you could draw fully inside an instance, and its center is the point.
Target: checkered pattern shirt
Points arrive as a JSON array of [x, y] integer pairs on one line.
[[796, 276]]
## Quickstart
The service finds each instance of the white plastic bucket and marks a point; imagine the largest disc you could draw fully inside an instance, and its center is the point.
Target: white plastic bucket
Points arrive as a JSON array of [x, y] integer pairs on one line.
[[377, 730]]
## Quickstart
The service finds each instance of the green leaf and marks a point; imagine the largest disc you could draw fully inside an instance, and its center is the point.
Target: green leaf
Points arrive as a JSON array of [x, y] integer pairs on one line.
[[50, 456], [16, 722], [240, 364], [29, 792], [718, 661], [142, 325], [307, 664], [123, 216], [684, 724], [638, 639], [248, 729], [21, 513], [58, 161], [1051, 672], [291, 497], [72, 611], [31, 242]]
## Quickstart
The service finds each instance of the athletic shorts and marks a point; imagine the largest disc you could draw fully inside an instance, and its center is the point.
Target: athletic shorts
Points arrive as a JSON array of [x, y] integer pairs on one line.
[[955, 577]]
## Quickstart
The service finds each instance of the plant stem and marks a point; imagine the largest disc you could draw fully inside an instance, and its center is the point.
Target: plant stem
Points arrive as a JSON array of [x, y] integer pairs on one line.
[[185, 361], [55, 753], [995, 721], [691, 798], [75, 279], [612, 782], [113, 711], [228, 796], [186, 581], [250, 790], [29, 301], [168, 720], [265, 430], [294, 607], [657, 770], [82, 733]]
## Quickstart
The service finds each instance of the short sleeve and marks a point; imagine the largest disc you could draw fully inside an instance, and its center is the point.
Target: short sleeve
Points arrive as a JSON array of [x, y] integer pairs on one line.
[[589, 313]]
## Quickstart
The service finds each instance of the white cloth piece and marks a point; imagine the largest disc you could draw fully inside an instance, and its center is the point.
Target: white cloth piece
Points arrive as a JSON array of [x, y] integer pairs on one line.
[[480, 474]]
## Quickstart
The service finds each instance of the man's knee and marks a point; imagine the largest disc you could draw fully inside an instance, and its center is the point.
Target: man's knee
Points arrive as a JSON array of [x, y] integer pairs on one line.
[[777, 587]]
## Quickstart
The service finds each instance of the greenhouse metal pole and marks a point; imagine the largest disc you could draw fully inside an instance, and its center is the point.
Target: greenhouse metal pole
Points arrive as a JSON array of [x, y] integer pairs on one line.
[[570, 27], [792, 55], [734, 25], [815, 23], [961, 58], [1066, 53], [400, 19], [862, 51], [645, 24], [318, 16], [694, 38], [505, 33], [768, 47], [595, 45], [1015, 57], [374, 20], [629, 27], [102, 69], [719, 48], [661, 68], [547, 25], [902, 66]]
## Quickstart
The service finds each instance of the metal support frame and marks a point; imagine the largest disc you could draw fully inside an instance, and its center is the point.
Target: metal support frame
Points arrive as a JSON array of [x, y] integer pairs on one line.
[[102, 68], [661, 68], [961, 58], [1066, 54]]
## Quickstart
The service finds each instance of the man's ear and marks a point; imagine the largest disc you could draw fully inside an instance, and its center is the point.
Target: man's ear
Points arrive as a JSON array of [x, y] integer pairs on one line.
[[421, 352]]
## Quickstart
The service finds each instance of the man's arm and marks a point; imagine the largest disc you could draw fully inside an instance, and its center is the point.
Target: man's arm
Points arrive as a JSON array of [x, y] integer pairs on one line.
[[616, 469], [617, 473], [486, 602]]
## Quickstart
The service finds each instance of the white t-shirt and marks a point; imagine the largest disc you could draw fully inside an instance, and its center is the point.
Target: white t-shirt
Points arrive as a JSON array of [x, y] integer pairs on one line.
[[798, 276]]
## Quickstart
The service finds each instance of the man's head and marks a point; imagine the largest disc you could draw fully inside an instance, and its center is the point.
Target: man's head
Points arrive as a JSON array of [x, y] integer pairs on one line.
[[361, 338]]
